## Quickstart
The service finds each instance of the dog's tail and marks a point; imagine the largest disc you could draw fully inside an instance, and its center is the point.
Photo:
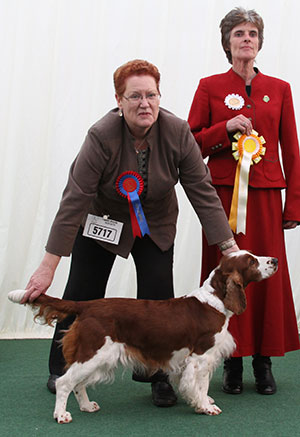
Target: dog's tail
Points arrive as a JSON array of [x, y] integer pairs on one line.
[[48, 308]]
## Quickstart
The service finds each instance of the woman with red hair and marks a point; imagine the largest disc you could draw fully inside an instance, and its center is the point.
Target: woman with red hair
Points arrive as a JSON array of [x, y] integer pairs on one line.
[[120, 199]]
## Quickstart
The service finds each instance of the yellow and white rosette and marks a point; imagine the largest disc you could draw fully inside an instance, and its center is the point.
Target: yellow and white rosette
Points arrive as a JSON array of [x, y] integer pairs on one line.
[[248, 149]]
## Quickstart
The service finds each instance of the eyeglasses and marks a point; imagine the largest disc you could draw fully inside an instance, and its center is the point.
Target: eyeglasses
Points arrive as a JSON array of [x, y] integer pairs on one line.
[[137, 98]]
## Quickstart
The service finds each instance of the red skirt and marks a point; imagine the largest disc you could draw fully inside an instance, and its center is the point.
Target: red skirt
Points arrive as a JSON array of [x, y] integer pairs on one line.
[[269, 325]]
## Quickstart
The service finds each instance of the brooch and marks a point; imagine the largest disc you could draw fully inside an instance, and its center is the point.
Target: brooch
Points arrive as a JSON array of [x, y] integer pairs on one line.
[[234, 101]]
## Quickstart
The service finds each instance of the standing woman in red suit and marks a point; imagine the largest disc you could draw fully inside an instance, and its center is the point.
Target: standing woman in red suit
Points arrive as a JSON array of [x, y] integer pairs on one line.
[[239, 118]]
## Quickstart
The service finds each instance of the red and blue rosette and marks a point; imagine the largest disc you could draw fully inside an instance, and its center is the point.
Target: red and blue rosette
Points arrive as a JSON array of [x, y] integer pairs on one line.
[[130, 185]]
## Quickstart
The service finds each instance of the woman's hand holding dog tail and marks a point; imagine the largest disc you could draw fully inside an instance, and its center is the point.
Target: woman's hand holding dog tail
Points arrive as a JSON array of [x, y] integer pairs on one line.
[[42, 278]]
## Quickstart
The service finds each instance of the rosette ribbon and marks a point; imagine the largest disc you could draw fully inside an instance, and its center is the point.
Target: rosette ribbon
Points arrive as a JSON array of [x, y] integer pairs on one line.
[[130, 185], [247, 150]]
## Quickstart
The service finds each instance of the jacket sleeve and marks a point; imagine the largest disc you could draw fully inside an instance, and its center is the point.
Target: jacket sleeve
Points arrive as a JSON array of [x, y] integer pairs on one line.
[[195, 178], [211, 138], [81, 188], [290, 157]]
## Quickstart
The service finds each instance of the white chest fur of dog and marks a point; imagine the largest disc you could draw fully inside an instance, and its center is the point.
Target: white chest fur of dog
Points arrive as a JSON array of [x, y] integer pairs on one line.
[[186, 337]]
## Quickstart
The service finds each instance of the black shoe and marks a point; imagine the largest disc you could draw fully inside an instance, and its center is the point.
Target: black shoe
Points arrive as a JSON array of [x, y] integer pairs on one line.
[[51, 383], [233, 376], [264, 380], [163, 394]]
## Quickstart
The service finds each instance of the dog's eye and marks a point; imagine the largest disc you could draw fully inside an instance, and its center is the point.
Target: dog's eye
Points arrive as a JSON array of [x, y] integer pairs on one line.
[[252, 261]]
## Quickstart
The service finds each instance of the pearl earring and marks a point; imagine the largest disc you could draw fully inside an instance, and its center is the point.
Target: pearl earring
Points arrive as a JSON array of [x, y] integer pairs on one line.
[[120, 113]]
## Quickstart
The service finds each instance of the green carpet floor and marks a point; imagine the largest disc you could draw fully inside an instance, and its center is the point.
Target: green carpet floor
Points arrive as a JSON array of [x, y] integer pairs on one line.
[[26, 406]]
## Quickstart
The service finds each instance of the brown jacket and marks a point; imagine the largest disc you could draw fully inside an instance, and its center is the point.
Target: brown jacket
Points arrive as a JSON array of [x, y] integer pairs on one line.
[[107, 152]]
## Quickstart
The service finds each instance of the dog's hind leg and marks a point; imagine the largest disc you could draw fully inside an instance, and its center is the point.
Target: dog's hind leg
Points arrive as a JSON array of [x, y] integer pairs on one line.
[[75, 379], [82, 398], [100, 368], [194, 384], [63, 390]]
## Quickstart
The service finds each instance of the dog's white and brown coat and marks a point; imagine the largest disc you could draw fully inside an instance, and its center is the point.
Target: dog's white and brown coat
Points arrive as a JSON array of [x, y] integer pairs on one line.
[[186, 337]]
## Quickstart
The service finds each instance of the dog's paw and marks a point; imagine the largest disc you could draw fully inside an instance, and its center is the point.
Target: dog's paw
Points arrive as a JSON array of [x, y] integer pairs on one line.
[[16, 295], [90, 407], [64, 417], [210, 410]]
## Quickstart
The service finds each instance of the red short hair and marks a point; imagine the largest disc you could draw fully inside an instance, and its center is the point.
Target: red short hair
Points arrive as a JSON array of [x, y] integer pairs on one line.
[[132, 68]]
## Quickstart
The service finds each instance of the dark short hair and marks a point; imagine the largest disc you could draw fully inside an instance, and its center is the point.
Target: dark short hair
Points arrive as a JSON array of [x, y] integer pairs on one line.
[[238, 16], [132, 68]]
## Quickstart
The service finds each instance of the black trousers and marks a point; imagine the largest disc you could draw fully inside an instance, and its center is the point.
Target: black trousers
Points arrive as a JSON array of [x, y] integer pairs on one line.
[[90, 268]]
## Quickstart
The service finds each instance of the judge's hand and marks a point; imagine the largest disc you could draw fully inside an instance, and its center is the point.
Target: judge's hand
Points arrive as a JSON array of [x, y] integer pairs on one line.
[[239, 123]]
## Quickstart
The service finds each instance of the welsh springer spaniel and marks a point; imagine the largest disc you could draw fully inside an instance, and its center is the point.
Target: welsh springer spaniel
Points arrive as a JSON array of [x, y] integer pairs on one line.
[[186, 337]]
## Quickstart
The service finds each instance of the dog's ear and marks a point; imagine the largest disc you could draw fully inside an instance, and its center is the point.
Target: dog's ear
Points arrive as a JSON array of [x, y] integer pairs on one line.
[[235, 298]]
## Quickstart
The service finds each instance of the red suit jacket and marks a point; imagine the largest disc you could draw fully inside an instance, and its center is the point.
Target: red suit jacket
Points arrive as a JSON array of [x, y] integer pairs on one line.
[[270, 108]]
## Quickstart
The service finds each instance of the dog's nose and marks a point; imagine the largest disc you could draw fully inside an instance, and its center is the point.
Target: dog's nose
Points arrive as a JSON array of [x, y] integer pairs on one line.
[[274, 261]]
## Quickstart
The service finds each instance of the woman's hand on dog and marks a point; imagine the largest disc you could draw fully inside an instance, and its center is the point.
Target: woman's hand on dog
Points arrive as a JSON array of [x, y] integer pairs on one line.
[[42, 278], [234, 248]]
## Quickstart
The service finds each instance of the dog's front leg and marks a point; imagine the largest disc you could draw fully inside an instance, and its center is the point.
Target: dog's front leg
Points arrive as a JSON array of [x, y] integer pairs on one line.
[[194, 385], [206, 404], [82, 398]]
